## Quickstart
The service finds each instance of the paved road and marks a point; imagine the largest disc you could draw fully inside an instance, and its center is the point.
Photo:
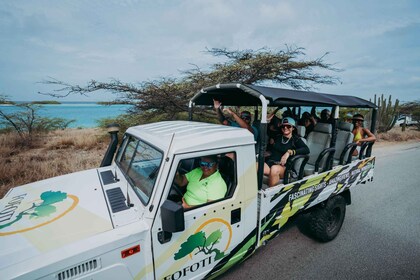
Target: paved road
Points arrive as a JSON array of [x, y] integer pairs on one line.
[[380, 238]]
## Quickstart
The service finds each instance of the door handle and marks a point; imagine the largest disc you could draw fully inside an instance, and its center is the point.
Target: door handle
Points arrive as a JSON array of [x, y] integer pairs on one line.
[[235, 216], [164, 236]]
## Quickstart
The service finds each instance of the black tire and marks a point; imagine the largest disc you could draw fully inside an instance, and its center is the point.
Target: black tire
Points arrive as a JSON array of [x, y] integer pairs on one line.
[[324, 223]]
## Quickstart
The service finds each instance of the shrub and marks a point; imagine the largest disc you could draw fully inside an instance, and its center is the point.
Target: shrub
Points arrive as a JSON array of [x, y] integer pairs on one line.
[[28, 124]]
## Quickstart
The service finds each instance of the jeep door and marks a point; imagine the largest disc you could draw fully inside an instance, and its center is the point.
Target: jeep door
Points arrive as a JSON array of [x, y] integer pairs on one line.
[[211, 235]]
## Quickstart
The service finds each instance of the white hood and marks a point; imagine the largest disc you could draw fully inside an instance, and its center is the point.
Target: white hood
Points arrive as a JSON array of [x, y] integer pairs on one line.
[[45, 215]]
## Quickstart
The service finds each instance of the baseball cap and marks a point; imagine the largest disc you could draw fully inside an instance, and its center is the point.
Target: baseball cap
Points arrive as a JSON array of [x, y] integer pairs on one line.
[[288, 120], [358, 117]]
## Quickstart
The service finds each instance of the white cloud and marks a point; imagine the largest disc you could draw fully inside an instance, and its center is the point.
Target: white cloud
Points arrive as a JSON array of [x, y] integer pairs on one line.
[[136, 40], [277, 12]]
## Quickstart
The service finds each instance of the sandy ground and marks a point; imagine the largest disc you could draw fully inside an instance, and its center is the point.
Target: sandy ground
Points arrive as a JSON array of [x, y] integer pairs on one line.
[[385, 145]]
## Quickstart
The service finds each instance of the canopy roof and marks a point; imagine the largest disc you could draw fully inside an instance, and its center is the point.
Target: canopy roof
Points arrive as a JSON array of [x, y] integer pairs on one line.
[[249, 95]]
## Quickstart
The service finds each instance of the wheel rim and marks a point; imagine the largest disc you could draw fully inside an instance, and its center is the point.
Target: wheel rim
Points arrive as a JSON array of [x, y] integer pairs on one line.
[[333, 220]]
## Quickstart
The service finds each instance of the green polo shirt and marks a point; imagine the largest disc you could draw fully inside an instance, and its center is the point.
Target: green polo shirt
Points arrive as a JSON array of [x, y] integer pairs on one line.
[[201, 191]]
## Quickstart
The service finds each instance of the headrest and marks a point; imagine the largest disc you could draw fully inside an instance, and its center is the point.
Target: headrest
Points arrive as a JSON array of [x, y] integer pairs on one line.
[[345, 126], [323, 127], [300, 129]]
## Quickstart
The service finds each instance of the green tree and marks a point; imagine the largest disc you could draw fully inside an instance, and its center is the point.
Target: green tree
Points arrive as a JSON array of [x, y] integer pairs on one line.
[[43, 209], [194, 241], [167, 98], [387, 113], [46, 207], [203, 244]]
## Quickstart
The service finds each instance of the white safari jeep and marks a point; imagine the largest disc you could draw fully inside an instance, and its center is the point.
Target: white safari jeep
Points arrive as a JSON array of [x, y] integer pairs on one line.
[[125, 220]]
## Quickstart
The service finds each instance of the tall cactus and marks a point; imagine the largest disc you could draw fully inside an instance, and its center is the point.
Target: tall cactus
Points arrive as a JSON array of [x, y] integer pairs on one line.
[[387, 113]]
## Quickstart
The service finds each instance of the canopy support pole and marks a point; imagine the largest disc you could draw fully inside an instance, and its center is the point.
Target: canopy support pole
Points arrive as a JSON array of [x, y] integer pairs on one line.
[[372, 129], [263, 141], [190, 110]]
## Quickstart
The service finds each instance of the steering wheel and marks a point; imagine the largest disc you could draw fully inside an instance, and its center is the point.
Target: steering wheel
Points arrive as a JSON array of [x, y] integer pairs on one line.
[[177, 189]]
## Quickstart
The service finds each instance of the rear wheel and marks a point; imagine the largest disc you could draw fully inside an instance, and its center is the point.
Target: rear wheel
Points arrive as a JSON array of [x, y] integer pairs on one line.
[[324, 223]]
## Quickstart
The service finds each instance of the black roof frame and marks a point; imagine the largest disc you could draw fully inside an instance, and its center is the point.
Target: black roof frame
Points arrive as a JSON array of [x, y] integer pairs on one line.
[[249, 95]]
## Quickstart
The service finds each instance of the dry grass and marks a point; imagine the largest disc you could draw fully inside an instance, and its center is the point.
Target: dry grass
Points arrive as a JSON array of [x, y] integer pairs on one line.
[[57, 153], [82, 139], [396, 135], [71, 150]]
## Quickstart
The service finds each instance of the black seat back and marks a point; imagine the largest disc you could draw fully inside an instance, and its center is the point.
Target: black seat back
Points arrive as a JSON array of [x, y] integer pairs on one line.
[[344, 138], [186, 165], [227, 170]]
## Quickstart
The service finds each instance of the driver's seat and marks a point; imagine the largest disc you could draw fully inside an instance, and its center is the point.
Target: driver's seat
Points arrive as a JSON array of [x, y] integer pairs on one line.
[[227, 170]]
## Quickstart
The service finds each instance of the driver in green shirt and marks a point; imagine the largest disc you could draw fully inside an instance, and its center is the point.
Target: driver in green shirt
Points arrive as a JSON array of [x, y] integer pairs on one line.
[[204, 183]]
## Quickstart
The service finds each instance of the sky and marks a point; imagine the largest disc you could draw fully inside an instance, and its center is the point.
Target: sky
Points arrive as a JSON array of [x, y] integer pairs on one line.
[[376, 43]]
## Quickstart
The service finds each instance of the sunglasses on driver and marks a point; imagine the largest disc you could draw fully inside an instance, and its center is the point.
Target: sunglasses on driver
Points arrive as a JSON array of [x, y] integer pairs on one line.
[[206, 164]]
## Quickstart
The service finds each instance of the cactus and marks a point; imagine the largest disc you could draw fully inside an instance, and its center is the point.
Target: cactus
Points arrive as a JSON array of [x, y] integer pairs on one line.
[[387, 113]]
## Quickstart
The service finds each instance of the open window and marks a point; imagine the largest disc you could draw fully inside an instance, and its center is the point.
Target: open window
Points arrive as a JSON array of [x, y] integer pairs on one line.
[[207, 190]]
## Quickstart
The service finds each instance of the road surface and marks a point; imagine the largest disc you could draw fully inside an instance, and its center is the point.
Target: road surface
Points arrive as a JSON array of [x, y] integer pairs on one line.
[[380, 237]]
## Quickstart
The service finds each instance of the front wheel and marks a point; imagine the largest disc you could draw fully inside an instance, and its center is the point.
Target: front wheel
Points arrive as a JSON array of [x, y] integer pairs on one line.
[[324, 223]]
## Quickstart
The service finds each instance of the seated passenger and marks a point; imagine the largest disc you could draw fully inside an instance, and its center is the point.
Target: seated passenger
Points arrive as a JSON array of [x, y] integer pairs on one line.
[[361, 134], [325, 116], [309, 122], [273, 130], [204, 183], [289, 114], [285, 146]]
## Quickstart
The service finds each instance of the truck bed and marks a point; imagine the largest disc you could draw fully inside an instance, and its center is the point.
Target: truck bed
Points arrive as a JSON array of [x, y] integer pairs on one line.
[[279, 203]]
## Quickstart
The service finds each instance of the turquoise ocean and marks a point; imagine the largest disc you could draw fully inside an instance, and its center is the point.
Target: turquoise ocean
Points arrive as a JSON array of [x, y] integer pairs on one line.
[[85, 114]]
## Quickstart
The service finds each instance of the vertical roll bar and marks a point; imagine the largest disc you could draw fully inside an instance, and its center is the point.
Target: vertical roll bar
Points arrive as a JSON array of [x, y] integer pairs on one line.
[[263, 140], [372, 129]]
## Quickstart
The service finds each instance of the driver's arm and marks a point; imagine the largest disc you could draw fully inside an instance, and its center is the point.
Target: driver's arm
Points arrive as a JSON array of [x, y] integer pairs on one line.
[[185, 205]]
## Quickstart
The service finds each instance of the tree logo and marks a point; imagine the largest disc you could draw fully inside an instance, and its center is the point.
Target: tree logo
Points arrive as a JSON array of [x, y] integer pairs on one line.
[[37, 214], [200, 242]]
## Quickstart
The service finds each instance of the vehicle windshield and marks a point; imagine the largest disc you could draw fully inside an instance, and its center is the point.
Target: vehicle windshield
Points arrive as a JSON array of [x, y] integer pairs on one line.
[[140, 162]]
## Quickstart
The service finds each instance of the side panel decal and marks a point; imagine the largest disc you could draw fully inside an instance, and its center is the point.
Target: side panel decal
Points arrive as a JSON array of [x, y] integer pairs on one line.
[[304, 194]]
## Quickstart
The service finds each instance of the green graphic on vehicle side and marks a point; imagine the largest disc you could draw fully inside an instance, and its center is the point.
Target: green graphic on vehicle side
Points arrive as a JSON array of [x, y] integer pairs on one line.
[[202, 243]]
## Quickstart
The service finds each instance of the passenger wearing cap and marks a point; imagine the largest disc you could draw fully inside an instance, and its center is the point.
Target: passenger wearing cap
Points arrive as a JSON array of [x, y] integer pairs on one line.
[[285, 146], [361, 134], [204, 183], [244, 120]]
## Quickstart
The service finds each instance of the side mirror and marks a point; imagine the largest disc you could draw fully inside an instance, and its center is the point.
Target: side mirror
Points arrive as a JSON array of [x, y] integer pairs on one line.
[[172, 216]]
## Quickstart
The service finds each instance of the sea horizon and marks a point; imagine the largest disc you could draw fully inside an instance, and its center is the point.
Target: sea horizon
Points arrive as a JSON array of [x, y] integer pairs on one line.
[[85, 114], [61, 102]]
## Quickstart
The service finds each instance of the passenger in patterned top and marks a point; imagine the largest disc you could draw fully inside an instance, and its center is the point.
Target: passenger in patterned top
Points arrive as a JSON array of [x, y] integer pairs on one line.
[[243, 121], [285, 146], [204, 183], [361, 134]]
